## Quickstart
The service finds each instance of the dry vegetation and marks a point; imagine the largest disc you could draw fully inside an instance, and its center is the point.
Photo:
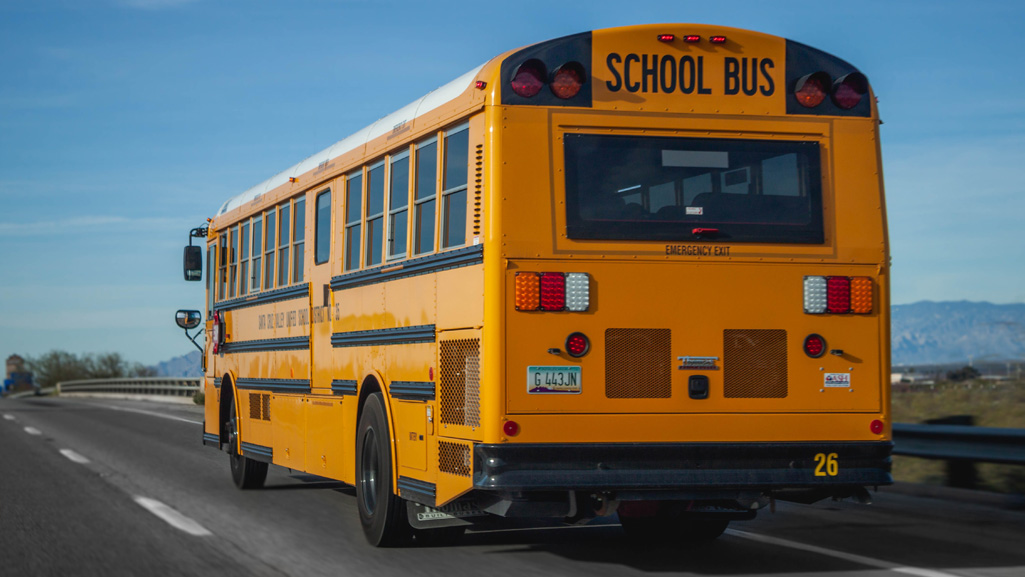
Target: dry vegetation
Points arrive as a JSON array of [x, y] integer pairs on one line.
[[991, 405]]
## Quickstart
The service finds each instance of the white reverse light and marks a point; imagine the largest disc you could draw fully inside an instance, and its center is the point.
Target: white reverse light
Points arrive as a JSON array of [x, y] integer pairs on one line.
[[578, 291], [815, 294]]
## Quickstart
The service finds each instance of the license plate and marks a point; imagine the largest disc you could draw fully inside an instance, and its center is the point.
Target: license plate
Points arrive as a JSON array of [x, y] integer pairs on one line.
[[542, 380]]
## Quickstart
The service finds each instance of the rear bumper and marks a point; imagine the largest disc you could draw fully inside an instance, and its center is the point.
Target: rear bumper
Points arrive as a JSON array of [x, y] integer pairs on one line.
[[680, 466]]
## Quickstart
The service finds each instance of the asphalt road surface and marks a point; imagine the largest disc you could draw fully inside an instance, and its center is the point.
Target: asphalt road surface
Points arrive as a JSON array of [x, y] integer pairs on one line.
[[114, 487]]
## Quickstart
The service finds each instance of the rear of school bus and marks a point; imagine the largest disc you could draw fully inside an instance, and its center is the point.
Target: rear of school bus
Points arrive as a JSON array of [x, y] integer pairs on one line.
[[686, 304]]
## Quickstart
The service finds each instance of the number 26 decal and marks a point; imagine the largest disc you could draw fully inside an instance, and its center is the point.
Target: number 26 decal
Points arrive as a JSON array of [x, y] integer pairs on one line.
[[827, 465]]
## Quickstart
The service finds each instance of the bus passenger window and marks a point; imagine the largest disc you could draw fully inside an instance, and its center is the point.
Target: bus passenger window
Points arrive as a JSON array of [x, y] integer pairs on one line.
[[453, 195], [375, 214], [269, 247], [353, 212], [243, 275], [322, 240], [233, 262], [298, 245], [257, 251], [285, 221], [426, 190], [222, 265], [398, 203]]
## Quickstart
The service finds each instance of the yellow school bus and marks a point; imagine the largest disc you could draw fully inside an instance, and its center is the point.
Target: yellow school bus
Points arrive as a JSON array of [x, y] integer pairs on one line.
[[639, 271]]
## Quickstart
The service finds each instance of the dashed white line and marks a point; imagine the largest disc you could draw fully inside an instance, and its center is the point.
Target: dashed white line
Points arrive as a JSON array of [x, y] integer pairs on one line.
[[74, 456], [9, 417], [33, 431], [852, 557], [172, 517]]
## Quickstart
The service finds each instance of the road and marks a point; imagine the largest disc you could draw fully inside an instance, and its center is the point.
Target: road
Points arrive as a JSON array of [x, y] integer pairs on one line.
[[107, 487]]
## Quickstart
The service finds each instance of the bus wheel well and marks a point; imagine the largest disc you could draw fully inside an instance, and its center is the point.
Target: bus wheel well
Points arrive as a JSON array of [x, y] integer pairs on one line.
[[226, 400], [369, 387]]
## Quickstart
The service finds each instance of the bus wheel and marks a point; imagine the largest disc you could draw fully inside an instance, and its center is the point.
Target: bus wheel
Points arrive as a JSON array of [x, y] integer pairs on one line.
[[381, 512], [672, 528], [247, 473]]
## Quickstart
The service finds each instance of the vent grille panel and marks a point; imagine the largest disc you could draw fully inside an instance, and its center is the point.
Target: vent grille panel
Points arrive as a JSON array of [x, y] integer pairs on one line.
[[478, 187], [266, 407], [460, 382], [454, 458], [254, 405], [638, 363], [754, 363]]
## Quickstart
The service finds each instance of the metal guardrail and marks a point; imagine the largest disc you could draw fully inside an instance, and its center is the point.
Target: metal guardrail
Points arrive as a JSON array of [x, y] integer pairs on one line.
[[162, 386], [960, 443]]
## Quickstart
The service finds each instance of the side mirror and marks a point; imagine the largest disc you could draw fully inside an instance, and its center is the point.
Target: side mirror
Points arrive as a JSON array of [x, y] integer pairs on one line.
[[193, 263], [188, 319]]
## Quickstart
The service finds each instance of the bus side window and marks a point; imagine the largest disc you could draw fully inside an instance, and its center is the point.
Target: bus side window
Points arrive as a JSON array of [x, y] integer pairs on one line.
[[398, 205], [243, 274], [322, 236], [284, 223], [424, 196], [269, 247], [375, 214], [222, 265], [453, 194], [298, 246], [257, 252], [353, 214]]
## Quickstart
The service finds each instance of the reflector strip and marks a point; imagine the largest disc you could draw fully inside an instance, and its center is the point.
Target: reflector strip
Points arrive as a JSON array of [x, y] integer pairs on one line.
[[815, 294], [838, 294], [861, 295], [578, 291], [528, 293]]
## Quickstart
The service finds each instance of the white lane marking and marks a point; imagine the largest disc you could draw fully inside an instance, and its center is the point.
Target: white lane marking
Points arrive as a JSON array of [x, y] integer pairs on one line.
[[74, 456], [172, 517], [152, 414], [852, 557], [9, 417], [33, 431]]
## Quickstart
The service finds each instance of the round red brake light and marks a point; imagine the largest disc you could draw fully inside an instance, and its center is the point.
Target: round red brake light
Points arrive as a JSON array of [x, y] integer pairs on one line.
[[529, 78], [577, 345], [567, 80], [814, 346], [848, 90], [876, 426], [810, 90], [511, 428]]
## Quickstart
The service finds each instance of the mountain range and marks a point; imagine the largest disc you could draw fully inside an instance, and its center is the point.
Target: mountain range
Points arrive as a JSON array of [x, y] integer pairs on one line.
[[922, 333]]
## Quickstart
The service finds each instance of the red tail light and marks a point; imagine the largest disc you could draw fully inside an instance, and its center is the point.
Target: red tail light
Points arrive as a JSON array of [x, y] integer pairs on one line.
[[553, 291], [814, 346], [848, 90], [567, 80], [666, 37], [877, 427], [577, 345], [717, 39], [529, 78], [810, 90], [217, 338], [838, 294], [692, 39]]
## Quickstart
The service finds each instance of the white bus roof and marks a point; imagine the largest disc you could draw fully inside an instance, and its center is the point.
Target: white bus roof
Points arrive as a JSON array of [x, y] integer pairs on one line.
[[428, 102]]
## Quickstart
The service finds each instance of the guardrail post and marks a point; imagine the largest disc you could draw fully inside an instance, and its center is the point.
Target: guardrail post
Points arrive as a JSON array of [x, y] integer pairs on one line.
[[961, 473]]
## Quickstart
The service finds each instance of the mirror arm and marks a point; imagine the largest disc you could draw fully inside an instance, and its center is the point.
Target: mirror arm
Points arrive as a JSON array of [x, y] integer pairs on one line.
[[199, 232], [193, 338]]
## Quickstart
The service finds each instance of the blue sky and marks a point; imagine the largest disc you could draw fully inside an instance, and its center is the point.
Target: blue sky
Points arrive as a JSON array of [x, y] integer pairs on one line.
[[124, 123]]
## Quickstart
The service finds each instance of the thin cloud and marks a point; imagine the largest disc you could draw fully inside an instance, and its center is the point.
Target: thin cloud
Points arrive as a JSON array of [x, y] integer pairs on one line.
[[155, 4], [90, 224]]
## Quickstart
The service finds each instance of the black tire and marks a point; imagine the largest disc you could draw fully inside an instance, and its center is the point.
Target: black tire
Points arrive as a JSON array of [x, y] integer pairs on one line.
[[670, 528], [381, 512], [245, 472]]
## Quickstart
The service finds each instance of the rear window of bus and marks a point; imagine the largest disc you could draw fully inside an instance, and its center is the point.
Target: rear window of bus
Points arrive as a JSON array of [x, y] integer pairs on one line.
[[666, 188]]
